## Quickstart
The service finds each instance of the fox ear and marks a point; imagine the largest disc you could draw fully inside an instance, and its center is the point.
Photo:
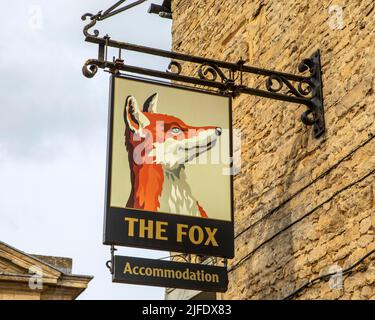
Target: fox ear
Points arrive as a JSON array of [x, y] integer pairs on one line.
[[151, 104], [135, 119]]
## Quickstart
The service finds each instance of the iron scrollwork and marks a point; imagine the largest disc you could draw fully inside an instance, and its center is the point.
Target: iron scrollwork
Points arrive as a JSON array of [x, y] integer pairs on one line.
[[217, 75], [90, 67], [281, 81], [176, 65], [314, 116], [100, 16], [90, 25], [209, 71], [309, 87]]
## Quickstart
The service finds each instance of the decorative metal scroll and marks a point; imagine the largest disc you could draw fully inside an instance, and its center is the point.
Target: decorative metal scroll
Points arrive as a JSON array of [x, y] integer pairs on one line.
[[100, 16], [219, 75]]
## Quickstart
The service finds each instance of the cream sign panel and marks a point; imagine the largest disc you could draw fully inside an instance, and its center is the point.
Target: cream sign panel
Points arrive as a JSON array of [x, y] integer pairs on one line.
[[170, 151]]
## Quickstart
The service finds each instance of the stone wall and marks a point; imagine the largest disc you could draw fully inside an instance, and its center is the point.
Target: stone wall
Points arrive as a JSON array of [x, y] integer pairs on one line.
[[303, 206]]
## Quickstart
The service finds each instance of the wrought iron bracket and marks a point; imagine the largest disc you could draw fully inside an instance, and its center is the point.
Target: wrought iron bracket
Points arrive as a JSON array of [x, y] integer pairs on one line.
[[225, 77], [109, 264]]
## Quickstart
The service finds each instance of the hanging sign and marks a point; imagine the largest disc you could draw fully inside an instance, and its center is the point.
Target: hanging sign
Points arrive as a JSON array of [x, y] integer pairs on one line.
[[170, 274], [169, 182]]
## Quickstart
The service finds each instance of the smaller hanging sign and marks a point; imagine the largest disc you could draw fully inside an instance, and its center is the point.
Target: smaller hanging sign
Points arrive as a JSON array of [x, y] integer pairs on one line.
[[169, 274]]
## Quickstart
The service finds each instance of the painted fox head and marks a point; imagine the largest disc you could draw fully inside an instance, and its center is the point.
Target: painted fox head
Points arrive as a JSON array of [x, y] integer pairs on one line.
[[152, 137]]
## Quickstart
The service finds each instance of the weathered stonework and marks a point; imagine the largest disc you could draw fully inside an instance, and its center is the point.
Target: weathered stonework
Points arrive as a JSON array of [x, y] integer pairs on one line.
[[302, 206]]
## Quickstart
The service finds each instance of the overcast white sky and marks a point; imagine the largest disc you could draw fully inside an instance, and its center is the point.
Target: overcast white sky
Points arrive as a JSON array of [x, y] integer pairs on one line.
[[53, 128]]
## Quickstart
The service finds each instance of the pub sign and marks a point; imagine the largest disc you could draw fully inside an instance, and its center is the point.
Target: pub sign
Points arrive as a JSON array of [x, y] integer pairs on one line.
[[169, 183]]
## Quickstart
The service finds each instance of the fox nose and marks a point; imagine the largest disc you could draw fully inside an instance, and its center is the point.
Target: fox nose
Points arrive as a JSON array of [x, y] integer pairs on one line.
[[218, 131]]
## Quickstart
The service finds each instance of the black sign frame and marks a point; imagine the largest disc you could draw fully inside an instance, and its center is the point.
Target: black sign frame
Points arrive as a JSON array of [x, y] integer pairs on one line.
[[116, 228]]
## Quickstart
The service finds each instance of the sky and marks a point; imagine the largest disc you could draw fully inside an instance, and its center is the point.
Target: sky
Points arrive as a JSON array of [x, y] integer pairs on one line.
[[53, 130]]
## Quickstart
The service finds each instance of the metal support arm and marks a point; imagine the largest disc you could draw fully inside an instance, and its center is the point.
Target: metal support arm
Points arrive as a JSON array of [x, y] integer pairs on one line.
[[219, 75]]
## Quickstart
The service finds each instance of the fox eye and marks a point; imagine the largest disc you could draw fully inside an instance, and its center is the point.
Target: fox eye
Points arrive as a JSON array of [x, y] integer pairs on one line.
[[176, 130]]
